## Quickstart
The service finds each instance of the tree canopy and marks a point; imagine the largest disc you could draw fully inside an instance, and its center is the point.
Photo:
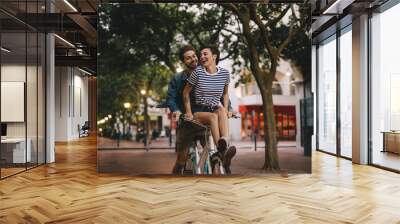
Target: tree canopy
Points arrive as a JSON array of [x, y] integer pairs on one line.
[[135, 36]]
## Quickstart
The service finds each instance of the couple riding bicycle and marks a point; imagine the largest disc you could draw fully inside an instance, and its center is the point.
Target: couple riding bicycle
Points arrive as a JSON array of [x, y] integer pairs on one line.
[[201, 93]]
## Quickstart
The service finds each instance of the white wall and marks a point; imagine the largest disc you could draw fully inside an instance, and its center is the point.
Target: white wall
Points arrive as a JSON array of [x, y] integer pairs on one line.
[[16, 73], [61, 103], [80, 112], [71, 102], [33, 126], [12, 73]]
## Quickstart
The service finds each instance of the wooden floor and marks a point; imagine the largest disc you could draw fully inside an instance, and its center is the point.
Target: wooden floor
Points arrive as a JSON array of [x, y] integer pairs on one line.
[[70, 191]]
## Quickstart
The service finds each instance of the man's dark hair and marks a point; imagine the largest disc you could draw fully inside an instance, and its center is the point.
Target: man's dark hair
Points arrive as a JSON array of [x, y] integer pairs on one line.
[[213, 49], [183, 50]]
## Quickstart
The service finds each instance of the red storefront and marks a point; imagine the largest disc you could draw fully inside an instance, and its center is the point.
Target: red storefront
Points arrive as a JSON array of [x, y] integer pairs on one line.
[[253, 117]]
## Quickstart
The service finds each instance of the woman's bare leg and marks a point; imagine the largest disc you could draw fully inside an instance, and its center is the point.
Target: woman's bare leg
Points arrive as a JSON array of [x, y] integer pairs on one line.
[[210, 119], [222, 121]]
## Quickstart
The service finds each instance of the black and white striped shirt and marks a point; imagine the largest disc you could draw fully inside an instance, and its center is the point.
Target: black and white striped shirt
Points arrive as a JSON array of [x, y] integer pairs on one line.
[[208, 88]]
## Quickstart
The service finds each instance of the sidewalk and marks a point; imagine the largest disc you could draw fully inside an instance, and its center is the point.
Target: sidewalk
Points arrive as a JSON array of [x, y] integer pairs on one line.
[[163, 143], [261, 144]]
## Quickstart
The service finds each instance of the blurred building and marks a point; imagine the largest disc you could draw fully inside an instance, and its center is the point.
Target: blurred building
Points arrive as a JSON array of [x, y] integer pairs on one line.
[[287, 92]]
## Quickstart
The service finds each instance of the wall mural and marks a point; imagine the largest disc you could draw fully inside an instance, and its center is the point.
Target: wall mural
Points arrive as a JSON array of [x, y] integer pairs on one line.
[[209, 89]]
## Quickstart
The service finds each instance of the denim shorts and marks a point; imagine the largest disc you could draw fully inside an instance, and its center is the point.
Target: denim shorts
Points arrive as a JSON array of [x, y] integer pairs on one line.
[[204, 108]]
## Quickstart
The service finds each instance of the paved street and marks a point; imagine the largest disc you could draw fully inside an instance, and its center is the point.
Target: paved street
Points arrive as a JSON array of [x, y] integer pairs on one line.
[[160, 158]]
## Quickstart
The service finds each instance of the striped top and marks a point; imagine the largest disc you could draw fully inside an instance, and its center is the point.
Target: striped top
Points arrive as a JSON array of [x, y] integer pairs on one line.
[[208, 88]]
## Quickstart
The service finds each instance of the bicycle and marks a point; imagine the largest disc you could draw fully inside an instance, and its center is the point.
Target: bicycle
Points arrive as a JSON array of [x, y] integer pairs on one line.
[[202, 159]]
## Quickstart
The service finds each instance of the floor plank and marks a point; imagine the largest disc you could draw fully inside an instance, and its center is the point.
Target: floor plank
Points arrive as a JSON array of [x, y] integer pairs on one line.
[[71, 191]]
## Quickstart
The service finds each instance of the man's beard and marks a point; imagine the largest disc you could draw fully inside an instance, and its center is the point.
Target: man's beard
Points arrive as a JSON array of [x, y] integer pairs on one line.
[[192, 66]]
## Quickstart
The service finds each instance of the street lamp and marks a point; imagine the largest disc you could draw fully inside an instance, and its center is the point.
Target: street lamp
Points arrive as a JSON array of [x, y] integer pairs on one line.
[[145, 124], [127, 105]]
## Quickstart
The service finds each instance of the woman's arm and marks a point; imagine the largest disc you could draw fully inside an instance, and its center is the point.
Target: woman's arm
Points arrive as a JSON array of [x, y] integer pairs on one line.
[[225, 97], [225, 94], [186, 101]]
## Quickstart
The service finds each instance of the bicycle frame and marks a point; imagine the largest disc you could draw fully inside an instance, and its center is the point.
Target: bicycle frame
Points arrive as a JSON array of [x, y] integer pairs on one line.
[[200, 161]]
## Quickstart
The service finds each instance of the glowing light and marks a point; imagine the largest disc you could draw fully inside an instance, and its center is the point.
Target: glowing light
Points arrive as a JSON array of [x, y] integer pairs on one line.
[[127, 105]]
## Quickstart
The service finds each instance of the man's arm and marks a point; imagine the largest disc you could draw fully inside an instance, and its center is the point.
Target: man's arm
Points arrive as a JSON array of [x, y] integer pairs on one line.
[[186, 100], [171, 94]]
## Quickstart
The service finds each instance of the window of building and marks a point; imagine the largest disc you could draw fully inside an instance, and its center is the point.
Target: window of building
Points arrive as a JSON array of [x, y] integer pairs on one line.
[[327, 95], [346, 92], [385, 89]]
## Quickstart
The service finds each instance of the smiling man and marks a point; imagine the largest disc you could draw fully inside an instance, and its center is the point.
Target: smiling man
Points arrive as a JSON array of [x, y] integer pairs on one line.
[[187, 55]]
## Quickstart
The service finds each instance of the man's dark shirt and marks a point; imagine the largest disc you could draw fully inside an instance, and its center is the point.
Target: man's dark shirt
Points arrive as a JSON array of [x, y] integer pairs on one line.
[[175, 92]]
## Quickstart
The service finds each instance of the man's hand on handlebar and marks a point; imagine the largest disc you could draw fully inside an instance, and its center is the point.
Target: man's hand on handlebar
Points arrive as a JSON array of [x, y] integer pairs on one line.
[[176, 115]]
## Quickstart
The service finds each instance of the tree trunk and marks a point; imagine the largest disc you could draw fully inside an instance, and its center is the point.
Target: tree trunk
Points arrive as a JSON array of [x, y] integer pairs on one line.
[[264, 82], [146, 122], [271, 153], [137, 123]]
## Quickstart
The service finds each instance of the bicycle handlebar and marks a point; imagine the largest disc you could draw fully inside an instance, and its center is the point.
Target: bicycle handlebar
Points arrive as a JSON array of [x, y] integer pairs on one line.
[[234, 116], [165, 105], [193, 122]]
